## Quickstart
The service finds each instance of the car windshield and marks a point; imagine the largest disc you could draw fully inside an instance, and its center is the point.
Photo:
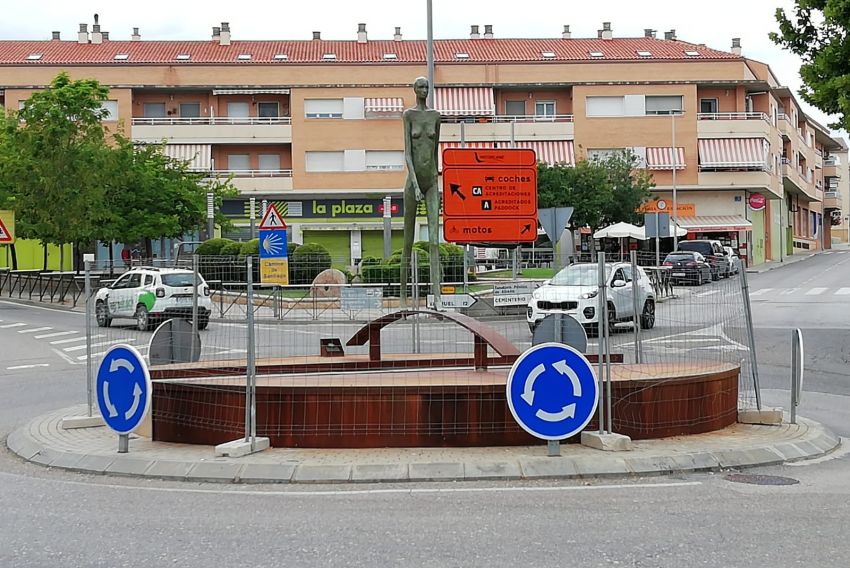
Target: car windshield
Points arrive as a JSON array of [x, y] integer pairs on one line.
[[680, 256], [704, 248], [178, 279], [579, 275]]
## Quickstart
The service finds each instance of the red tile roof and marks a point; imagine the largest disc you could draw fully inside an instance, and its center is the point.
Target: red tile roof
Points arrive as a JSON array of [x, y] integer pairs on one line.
[[263, 52]]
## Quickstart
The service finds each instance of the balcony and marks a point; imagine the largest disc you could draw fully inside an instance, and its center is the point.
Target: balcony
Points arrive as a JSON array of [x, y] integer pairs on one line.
[[214, 130], [733, 124], [499, 128], [832, 200], [258, 181], [763, 180], [796, 181], [830, 169]]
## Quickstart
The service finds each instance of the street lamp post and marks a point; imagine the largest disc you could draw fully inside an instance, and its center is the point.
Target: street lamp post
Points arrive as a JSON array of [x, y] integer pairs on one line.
[[430, 54], [674, 214]]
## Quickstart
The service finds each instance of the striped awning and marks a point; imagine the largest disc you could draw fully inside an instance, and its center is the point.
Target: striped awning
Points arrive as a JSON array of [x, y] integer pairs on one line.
[[734, 153], [250, 91], [198, 155], [465, 101], [715, 224], [548, 151], [662, 158], [384, 104]]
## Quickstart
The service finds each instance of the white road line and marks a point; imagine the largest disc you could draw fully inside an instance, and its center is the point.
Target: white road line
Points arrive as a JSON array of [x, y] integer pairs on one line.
[[99, 353], [65, 357], [18, 367], [842, 292], [701, 294], [828, 252], [788, 291], [842, 450], [57, 334], [35, 330], [761, 292], [8, 325], [73, 339], [110, 342], [815, 291]]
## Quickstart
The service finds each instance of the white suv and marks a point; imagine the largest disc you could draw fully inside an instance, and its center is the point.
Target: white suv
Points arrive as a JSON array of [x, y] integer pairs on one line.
[[151, 295], [574, 291]]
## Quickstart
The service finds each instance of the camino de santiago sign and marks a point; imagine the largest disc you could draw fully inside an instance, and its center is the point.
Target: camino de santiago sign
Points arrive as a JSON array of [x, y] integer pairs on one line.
[[274, 264]]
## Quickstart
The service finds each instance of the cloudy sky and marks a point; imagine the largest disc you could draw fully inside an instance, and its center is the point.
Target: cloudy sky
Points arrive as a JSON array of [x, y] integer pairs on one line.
[[714, 23]]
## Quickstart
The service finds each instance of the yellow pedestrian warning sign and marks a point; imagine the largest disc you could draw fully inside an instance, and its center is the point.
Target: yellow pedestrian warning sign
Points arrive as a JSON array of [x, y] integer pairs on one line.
[[7, 227]]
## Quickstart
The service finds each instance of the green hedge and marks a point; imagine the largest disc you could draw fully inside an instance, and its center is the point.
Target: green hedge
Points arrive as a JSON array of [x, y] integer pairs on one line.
[[212, 247], [230, 249], [307, 261], [250, 247]]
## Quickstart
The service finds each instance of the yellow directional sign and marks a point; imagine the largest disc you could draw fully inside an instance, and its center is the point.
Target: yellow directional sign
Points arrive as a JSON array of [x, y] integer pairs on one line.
[[7, 227], [274, 270]]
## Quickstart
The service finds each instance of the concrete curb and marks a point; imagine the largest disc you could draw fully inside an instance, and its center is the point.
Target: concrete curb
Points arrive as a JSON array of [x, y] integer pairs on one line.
[[807, 440]]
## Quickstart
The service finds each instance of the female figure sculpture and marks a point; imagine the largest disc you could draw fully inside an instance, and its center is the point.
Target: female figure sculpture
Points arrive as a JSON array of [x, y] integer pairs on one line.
[[421, 145]]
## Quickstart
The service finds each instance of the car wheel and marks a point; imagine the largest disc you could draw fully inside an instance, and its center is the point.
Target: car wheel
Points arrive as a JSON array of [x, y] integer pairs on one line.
[[143, 319], [715, 276], [101, 314], [203, 322], [612, 318], [647, 317], [699, 278]]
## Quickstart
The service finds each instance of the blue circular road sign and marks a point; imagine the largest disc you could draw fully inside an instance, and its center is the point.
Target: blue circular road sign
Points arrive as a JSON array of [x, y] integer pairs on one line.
[[552, 391], [123, 388]]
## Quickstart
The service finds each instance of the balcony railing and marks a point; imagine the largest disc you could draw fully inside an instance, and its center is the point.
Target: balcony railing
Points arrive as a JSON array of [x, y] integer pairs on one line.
[[832, 194], [211, 120], [732, 116], [253, 173], [831, 161], [510, 118]]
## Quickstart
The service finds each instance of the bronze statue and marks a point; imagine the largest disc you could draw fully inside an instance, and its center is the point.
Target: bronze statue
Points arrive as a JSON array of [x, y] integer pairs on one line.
[[421, 145]]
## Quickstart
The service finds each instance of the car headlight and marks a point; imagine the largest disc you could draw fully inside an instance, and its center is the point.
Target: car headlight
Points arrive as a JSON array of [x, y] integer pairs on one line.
[[589, 295]]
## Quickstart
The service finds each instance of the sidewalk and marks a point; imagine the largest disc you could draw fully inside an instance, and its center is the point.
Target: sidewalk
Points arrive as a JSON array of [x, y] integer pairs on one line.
[[93, 450], [788, 260]]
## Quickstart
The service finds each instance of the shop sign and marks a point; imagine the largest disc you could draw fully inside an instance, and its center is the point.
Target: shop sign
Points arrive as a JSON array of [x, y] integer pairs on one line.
[[757, 201], [664, 206], [342, 208]]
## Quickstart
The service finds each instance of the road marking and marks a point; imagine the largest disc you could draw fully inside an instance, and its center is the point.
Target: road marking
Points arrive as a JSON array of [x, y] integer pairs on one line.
[[761, 292], [842, 292], [65, 357], [701, 294], [18, 367], [788, 291], [99, 353], [35, 330], [828, 252], [57, 334], [73, 339], [110, 342], [28, 306], [815, 291], [8, 325]]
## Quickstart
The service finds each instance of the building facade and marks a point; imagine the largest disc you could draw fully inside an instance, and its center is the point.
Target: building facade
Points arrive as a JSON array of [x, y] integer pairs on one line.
[[315, 125]]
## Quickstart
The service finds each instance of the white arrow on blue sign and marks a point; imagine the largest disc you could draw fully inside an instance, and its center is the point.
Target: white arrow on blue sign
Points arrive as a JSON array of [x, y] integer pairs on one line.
[[552, 391], [123, 388]]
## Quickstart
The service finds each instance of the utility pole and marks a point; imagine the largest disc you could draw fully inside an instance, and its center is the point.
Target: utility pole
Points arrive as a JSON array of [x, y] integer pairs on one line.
[[430, 54]]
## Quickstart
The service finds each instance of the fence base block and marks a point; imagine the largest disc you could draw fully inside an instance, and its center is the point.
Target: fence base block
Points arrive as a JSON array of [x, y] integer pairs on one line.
[[239, 448], [763, 416], [606, 442], [73, 422]]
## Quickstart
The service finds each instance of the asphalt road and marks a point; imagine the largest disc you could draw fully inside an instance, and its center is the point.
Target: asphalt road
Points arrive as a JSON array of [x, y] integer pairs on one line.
[[52, 518]]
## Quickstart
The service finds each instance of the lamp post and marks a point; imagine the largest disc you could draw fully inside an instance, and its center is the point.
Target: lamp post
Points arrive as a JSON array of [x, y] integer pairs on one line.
[[430, 54], [674, 214]]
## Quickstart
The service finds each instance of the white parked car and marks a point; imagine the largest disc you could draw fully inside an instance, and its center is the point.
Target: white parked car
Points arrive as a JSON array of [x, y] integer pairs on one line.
[[574, 291], [152, 295], [734, 260]]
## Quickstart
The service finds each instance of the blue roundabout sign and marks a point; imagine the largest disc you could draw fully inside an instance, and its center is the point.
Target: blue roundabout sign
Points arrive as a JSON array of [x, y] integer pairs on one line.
[[552, 391], [123, 388]]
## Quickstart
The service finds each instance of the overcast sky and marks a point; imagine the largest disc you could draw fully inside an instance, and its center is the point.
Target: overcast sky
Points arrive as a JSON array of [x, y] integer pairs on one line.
[[713, 23]]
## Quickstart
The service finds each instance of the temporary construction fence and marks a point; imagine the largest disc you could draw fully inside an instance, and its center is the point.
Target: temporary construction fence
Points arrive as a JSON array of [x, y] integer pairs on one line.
[[242, 335]]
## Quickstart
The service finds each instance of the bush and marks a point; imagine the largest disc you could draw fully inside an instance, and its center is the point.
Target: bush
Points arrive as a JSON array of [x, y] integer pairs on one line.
[[370, 261], [230, 249], [290, 249], [307, 262], [250, 247], [212, 247]]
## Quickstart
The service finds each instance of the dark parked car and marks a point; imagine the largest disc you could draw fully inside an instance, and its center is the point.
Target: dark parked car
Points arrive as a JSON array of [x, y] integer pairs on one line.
[[688, 267], [714, 255]]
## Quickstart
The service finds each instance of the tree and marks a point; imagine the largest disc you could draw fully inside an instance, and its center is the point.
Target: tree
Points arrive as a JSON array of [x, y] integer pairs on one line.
[[601, 191], [819, 32]]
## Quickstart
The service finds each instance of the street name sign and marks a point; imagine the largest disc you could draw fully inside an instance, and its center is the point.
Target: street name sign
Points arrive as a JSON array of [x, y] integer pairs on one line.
[[123, 388], [489, 195], [361, 298], [552, 391], [454, 301], [513, 293], [274, 264]]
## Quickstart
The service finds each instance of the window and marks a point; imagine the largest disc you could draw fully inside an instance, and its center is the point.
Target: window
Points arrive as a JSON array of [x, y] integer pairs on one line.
[[329, 56], [644, 54], [269, 162], [190, 110], [111, 107], [281, 57], [183, 57], [121, 282], [664, 104], [384, 160], [547, 55], [267, 110], [603, 154], [153, 110], [708, 106], [122, 56], [134, 281], [238, 162], [148, 280], [605, 106], [238, 110], [390, 56], [544, 108], [324, 161], [692, 53], [244, 57], [462, 55], [33, 57], [596, 54], [323, 108], [515, 108]]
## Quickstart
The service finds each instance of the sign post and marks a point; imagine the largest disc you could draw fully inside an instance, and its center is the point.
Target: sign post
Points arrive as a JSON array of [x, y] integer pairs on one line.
[[489, 196], [554, 220], [274, 264]]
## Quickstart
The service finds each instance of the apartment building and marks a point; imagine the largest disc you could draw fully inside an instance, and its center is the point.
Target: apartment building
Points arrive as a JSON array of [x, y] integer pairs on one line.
[[314, 125]]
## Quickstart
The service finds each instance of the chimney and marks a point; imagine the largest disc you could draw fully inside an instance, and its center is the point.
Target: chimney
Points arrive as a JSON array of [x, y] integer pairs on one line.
[[649, 32], [105, 36], [83, 34], [224, 38], [488, 31], [135, 36], [473, 33], [96, 36], [317, 35], [736, 45], [361, 33], [606, 31], [671, 35], [216, 34], [56, 36], [566, 33], [397, 35]]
